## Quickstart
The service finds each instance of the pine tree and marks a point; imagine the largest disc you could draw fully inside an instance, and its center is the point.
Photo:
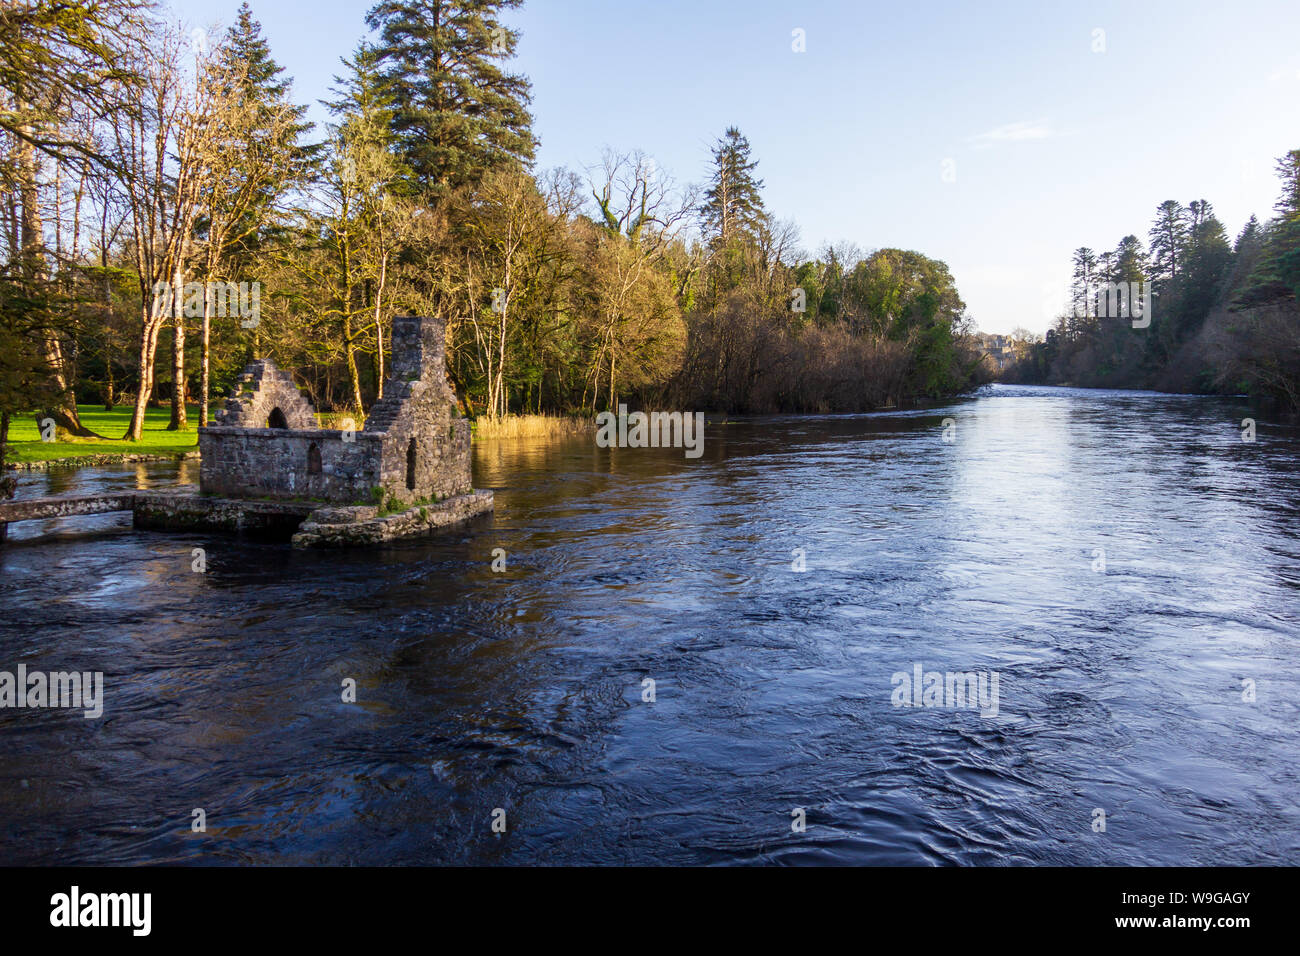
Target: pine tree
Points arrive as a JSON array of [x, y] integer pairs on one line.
[[275, 130], [1106, 268], [1208, 257], [361, 102], [1245, 254], [733, 205], [1130, 261], [1276, 274], [1082, 280], [1250, 238], [1168, 237], [456, 114]]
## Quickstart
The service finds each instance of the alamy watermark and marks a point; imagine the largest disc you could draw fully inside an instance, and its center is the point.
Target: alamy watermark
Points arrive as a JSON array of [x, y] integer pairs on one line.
[[653, 430], [969, 690], [224, 300], [1116, 300], [75, 909], [37, 689]]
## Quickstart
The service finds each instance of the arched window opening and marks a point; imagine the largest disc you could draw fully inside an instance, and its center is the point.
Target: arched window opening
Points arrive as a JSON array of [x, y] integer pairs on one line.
[[277, 419], [410, 465], [313, 459]]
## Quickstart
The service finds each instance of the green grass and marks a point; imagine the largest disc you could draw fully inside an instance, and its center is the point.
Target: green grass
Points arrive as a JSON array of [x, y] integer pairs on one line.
[[25, 437]]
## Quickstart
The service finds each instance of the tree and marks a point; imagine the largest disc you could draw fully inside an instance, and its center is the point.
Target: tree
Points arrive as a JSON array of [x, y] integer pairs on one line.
[[1276, 274], [1082, 285], [1168, 237], [255, 159], [27, 314], [636, 326], [363, 144], [1130, 262], [1207, 260], [268, 126], [733, 204], [57, 60], [456, 114], [159, 152]]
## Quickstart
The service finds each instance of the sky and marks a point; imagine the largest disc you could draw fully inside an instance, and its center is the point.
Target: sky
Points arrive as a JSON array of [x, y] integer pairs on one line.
[[996, 137]]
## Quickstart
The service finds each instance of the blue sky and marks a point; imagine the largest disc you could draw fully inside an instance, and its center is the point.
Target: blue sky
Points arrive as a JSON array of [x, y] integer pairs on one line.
[[1053, 145]]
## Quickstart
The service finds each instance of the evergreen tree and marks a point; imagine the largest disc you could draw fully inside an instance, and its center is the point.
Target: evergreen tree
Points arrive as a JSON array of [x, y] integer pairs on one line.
[[271, 133], [1250, 238], [456, 114], [1208, 257], [1106, 267], [1276, 274], [733, 205], [1245, 254], [361, 103], [1168, 238], [1081, 281], [1130, 261]]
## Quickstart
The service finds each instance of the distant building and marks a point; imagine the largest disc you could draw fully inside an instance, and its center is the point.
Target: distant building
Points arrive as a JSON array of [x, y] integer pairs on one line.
[[997, 350]]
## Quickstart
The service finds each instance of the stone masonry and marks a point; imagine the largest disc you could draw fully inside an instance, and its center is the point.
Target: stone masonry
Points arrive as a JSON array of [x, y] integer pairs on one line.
[[261, 390]]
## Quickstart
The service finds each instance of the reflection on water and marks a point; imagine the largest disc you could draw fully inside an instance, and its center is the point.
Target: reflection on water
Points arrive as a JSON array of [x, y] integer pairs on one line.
[[1121, 688]]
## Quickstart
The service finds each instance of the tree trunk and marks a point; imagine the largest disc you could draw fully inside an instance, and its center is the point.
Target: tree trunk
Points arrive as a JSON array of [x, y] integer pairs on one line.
[[8, 483], [349, 350], [109, 398], [148, 349], [204, 361], [379, 328], [349, 346], [178, 419], [64, 406]]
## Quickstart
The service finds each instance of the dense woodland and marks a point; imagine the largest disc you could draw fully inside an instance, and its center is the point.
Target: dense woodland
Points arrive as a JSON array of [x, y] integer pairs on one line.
[[1225, 315], [137, 157]]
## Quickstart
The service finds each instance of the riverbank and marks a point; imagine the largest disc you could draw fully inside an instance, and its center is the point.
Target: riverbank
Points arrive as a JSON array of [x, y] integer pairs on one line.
[[26, 451]]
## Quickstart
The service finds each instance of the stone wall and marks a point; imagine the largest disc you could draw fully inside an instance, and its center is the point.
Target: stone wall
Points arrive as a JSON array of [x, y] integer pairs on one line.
[[169, 511], [30, 509], [309, 464], [341, 527]]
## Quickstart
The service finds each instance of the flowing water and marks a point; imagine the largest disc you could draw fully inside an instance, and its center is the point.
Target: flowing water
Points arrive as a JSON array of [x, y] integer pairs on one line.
[[1125, 563]]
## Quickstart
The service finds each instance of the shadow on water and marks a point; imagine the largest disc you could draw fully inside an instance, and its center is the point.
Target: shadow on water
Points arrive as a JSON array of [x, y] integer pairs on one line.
[[522, 689]]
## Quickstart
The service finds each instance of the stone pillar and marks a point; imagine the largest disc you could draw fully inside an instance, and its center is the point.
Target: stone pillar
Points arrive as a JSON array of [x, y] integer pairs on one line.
[[419, 349]]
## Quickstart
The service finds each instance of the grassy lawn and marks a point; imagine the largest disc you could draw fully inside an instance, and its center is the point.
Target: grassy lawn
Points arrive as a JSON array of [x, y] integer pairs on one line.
[[25, 437]]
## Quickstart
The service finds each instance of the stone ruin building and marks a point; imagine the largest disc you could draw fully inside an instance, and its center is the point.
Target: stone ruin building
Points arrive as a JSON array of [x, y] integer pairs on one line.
[[407, 470]]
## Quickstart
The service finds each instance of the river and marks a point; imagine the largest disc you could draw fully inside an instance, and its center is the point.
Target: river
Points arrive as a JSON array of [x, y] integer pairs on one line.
[[1124, 562]]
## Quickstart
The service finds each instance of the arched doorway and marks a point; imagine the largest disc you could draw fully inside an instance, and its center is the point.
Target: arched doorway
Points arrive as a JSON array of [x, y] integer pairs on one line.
[[276, 419], [410, 465]]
